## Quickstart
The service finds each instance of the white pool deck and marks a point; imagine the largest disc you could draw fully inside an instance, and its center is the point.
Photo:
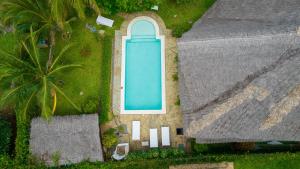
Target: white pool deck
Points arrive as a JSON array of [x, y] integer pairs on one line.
[[173, 116]]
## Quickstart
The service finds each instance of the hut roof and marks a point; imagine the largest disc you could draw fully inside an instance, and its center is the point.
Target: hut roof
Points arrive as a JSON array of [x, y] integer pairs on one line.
[[71, 138], [239, 72]]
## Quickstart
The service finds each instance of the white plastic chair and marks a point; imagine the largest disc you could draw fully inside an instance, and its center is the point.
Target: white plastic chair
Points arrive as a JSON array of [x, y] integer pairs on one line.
[[118, 156]]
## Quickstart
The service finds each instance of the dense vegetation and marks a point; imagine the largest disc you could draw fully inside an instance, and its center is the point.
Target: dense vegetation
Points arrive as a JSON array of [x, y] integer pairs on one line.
[[115, 6], [245, 161], [88, 88], [5, 136]]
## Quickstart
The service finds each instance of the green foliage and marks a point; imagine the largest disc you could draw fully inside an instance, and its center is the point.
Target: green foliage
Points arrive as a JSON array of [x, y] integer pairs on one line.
[[177, 103], [175, 76], [105, 100], [200, 148], [6, 162], [90, 106], [182, 1], [180, 29], [30, 82], [217, 148], [22, 141], [114, 6], [5, 136], [156, 153], [44, 15], [109, 138], [55, 158], [246, 161]]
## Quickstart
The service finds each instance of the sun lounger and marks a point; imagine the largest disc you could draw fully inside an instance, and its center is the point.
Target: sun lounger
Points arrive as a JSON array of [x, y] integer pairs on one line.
[[165, 136], [153, 138], [136, 129], [104, 21]]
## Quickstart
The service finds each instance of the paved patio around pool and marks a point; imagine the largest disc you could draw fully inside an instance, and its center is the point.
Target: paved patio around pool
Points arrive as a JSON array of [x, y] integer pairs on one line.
[[173, 116]]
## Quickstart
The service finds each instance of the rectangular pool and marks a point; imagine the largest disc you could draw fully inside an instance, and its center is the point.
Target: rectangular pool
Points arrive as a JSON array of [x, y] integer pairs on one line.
[[143, 74]]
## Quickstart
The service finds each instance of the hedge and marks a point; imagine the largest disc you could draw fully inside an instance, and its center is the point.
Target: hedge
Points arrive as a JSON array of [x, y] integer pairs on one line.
[[5, 136], [115, 6], [158, 153], [22, 141]]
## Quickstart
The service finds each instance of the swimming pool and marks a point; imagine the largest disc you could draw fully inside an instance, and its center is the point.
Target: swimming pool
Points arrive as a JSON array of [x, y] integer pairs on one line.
[[143, 69]]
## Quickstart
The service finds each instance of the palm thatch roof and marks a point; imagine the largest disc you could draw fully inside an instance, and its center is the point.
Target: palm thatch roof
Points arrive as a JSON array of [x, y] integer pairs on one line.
[[240, 72], [71, 139]]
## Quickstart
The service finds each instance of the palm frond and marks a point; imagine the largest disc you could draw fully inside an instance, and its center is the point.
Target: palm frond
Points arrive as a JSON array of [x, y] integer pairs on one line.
[[61, 53], [65, 96]]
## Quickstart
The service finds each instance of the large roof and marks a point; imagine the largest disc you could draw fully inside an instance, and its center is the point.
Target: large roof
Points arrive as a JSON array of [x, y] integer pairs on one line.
[[240, 72], [71, 138]]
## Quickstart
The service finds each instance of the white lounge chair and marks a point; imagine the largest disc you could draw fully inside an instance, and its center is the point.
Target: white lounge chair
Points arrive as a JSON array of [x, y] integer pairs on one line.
[[104, 21], [155, 7], [153, 138], [121, 151], [136, 129], [165, 136]]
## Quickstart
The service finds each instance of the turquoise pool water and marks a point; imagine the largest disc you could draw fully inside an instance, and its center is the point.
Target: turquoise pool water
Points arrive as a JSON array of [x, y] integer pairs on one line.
[[143, 77]]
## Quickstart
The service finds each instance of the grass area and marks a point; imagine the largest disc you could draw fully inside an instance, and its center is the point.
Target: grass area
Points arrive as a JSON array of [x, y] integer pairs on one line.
[[247, 161], [87, 79], [180, 17], [93, 80]]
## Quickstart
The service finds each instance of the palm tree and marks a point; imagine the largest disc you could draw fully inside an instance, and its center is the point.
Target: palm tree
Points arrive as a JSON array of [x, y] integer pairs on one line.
[[29, 83], [51, 16]]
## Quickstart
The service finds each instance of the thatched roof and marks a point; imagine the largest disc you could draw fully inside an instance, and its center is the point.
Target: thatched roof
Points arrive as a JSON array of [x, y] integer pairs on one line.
[[240, 72], [72, 138]]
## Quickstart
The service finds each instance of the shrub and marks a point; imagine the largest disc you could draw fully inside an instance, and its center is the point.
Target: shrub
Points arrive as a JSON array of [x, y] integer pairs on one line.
[[156, 153], [211, 148], [109, 138], [22, 141], [105, 95], [177, 103], [114, 6], [153, 153], [180, 29], [6, 162], [90, 106], [175, 76], [163, 153], [182, 1], [5, 136], [200, 148]]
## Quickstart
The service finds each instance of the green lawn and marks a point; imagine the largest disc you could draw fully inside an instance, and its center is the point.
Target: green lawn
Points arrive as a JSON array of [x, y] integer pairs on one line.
[[250, 161], [92, 81], [86, 79], [180, 17]]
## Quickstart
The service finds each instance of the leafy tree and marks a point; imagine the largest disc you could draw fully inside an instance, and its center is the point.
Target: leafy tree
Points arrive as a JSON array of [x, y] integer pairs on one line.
[[28, 82], [50, 16]]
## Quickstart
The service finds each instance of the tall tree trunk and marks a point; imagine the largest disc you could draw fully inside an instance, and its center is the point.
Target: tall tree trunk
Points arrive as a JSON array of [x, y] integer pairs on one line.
[[51, 46]]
